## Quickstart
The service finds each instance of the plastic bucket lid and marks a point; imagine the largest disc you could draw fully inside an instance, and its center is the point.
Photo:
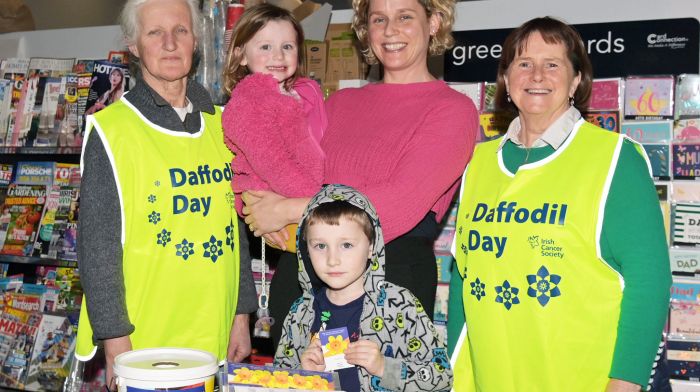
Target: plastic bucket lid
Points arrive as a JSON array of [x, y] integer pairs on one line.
[[165, 364]]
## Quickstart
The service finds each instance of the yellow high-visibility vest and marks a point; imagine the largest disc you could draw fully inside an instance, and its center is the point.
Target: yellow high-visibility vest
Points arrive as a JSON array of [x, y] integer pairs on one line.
[[179, 231]]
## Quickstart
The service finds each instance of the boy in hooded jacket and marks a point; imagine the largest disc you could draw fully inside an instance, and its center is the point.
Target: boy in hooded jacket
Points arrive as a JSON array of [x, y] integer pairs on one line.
[[393, 344]]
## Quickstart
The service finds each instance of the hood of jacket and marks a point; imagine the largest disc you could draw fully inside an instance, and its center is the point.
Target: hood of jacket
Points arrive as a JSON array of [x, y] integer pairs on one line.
[[374, 275]]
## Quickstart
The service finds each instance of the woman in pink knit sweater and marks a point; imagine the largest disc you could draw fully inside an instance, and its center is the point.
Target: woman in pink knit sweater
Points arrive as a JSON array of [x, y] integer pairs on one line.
[[403, 142]]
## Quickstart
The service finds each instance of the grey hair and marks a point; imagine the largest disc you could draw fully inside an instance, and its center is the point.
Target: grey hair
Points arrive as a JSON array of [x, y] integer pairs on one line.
[[129, 19]]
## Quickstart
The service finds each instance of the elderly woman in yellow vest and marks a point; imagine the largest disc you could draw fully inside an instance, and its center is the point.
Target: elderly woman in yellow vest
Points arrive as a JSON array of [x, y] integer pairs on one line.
[[560, 239], [159, 240]]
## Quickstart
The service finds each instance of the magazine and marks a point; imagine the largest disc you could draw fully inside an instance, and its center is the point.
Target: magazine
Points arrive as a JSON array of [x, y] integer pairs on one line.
[[43, 77], [35, 173], [66, 120], [24, 204], [5, 105], [46, 226], [14, 70], [18, 332], [51, 356], [84, 80], [63, 240], [5, 178], [109, 82], [42, 131]]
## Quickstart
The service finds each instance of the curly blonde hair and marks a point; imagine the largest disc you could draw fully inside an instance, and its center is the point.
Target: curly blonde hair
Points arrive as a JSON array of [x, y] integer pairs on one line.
[[439, 42]]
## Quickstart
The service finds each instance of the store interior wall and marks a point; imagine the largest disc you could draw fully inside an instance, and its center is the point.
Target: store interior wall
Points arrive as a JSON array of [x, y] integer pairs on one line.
[[61, 14]]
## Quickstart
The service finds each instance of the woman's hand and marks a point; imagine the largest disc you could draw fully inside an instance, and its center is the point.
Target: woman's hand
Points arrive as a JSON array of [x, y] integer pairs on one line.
[[263, 211], [277, 239], [114, 347], [366, 353], [267, 212], [312, 358]]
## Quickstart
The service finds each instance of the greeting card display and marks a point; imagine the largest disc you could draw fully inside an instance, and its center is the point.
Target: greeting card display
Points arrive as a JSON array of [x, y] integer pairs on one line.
[[649, 98], [686, 223], [662, 191], [688, 96], [687, 130], [606, 94], [685, 191], [648, 131], [685, 290], [606, 119], [686, 161], [475, 92], [489, 97], [683, 356], [659, 156], [684, 260], [491, 127], [684, 320]]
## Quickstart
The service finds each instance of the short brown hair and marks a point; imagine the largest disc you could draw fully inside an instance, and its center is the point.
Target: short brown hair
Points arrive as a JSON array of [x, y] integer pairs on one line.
[[439, 42], [331, 212], [253, 20], [553, 31]]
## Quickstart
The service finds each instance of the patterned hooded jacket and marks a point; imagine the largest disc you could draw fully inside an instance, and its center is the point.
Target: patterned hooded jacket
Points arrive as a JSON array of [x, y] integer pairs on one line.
[[415, 355]]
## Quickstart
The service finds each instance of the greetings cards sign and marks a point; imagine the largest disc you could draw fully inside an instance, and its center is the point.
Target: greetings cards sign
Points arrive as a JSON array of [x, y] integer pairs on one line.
[[645, 47]]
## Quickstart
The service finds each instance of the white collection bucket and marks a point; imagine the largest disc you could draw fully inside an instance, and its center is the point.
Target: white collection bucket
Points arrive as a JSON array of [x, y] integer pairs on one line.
[[165, 368]]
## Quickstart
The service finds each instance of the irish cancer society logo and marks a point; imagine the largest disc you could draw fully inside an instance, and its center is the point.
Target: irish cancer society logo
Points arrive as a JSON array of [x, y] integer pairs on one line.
[[664, 41]]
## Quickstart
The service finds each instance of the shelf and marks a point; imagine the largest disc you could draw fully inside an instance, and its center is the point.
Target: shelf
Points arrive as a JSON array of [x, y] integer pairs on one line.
[[41, 150], [38, 261]]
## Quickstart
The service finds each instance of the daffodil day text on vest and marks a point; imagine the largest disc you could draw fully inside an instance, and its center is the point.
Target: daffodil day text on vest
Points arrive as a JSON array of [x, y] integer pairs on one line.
[[203, 175], [507, 212]]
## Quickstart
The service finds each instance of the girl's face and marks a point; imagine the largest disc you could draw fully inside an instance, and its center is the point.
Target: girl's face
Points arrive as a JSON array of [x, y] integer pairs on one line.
[[273, 50]]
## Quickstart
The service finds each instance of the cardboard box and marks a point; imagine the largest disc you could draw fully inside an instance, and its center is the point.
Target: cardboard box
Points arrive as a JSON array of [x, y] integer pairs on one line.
[[344, 59], [313, 17], [316, 59]]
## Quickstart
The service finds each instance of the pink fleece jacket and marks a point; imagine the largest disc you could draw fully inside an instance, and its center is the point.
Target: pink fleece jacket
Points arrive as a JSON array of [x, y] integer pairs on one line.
[[275, 137], [405, 146]]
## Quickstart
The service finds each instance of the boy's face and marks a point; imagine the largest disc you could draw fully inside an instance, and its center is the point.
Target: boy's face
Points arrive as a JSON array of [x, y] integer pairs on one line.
[[339, 256]]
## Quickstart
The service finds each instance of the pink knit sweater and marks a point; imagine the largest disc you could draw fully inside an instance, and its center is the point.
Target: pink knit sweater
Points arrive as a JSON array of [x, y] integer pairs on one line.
[[403, 145], [275, 137]]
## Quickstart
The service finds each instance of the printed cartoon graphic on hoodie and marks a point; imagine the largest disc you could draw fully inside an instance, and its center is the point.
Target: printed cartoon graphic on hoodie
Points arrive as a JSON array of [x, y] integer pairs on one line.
[[415, 355]]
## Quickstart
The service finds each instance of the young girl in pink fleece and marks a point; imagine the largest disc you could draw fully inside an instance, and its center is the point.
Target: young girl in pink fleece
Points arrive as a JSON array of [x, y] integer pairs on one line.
[[275, 118]]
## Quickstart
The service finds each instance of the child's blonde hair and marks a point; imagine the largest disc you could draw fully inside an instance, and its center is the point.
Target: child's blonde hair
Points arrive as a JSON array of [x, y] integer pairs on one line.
[[253, 20]]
